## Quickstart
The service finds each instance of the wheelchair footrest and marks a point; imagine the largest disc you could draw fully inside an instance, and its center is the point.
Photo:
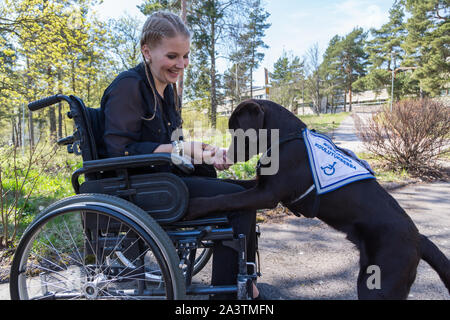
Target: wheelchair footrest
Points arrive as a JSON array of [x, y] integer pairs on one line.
[[210, 234], [201, 289]]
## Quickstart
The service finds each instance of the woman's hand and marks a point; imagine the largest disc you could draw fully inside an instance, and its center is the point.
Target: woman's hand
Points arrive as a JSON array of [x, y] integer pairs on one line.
[[221, 161], [199, 152]]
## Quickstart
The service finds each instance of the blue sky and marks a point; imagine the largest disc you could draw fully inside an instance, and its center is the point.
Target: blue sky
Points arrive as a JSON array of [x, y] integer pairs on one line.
[[296, 24]]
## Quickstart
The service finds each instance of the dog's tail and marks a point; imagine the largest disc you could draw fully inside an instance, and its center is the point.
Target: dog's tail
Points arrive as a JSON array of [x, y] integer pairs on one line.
[[436, 259]]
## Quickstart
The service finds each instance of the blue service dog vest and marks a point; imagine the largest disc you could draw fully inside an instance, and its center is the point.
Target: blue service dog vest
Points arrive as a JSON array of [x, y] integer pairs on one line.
[[333, 167]]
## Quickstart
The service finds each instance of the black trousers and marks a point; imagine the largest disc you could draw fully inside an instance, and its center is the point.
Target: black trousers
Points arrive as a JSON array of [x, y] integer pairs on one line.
[[225, 259]]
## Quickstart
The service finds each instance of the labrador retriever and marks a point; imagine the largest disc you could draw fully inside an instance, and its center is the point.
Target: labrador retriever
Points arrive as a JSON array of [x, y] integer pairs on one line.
[[372, 219]]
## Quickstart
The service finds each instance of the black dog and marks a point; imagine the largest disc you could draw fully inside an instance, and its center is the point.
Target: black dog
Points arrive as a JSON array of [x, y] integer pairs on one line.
[[372, 219]]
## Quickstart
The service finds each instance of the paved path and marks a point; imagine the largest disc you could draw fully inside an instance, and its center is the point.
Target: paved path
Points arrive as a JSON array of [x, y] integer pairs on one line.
[[344, 136]]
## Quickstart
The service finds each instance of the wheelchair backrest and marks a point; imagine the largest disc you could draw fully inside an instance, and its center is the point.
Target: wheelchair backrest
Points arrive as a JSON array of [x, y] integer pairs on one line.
[[90, 125]]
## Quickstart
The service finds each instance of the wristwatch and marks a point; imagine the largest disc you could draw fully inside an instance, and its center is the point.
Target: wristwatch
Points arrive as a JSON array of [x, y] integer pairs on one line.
[[177, 147]]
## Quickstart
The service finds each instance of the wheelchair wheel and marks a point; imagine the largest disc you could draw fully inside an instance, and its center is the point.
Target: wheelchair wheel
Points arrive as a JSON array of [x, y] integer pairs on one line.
[[72, 250], [202, 258]]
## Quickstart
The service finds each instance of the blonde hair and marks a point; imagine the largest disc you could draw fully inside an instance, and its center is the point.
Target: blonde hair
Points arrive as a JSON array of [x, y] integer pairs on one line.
[[159, 25]]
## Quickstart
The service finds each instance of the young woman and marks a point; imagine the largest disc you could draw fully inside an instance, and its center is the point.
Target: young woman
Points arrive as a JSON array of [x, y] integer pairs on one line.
[[142, 110]]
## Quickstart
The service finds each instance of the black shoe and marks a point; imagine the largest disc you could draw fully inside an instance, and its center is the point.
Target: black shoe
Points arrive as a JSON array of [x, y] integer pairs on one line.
[[259, 297]]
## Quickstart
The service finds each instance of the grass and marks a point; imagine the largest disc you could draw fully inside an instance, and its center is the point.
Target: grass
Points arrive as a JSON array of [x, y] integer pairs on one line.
[[324, 123], [382, 173], [43, 182]]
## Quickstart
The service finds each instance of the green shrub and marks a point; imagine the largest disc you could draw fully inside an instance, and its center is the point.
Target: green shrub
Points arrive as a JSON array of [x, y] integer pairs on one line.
[[30, 182]]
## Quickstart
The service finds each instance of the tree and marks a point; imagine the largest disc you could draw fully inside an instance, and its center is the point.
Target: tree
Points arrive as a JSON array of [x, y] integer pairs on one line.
[[236, 80], [313, 81], [332, 74], [287, 81], [150, 6], [353, 59], [387, 40], [55, 50], [426, 44], [252, 38], [286, 69], [124, 41], [386, 54], [207, 20]]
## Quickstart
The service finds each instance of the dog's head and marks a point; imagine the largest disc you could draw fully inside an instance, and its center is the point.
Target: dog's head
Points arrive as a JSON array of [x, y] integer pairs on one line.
[[246, 121]]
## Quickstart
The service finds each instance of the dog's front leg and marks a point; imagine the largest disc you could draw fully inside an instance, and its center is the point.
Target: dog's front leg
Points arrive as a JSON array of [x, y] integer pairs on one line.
[[251, 199]]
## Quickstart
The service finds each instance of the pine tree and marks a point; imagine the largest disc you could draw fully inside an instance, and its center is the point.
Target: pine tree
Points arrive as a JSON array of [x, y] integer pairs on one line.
[[386, 54], [387, 39], [427, 42], [208, 21], [332, 73], [150, 6], [287, 81], [353, 59], [252, 39], [287, 68]]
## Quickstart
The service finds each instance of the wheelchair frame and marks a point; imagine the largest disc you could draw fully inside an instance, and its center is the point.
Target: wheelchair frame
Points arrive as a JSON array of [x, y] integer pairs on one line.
[[152, 204]]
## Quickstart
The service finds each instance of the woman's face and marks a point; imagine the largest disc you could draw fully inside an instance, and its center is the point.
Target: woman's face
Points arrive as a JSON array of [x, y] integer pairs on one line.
[[168, 59]]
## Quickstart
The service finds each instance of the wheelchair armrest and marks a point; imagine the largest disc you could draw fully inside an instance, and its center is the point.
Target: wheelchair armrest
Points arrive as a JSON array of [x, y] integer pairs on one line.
[[138, 161], [93, 166]]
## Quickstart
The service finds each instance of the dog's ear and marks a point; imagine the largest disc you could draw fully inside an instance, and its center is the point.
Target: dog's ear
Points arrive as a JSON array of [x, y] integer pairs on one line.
[[248, 114]]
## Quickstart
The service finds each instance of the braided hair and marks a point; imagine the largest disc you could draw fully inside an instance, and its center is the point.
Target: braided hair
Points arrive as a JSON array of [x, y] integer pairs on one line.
[[159, 25]]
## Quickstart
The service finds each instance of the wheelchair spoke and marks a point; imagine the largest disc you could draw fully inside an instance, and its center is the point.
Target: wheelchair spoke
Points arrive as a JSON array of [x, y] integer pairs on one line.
[[104, 241], [60, 257], [75, 246]]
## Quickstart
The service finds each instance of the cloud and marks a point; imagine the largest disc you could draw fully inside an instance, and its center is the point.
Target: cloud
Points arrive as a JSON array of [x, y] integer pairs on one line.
[[352, 13]]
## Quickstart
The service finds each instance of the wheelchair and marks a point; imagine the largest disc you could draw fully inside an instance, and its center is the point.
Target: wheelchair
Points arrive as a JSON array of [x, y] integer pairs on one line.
[[122, 236]]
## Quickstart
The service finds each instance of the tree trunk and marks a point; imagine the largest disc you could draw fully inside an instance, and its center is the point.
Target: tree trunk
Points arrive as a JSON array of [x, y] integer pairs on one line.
[[213, 76], [345, 101], [73, 78], [13, 131], [31, 128], [60, 117], [350, 98], [350, 90], [60, 121], [251, 73], [181, 76], [52, 120], [19, 129]]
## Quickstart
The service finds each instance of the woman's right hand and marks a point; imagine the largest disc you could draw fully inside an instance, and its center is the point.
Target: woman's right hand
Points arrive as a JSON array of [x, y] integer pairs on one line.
[[199, 152]]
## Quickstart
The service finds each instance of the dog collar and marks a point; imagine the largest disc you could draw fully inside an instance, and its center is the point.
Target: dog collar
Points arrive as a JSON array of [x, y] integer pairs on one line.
[[289, 137]]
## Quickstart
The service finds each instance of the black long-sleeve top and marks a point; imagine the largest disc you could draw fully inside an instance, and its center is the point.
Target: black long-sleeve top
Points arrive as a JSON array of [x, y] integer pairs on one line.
[[127, 103]]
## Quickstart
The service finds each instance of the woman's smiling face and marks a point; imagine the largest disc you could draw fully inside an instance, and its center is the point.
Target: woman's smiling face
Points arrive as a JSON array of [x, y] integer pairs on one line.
[[168, 59]]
